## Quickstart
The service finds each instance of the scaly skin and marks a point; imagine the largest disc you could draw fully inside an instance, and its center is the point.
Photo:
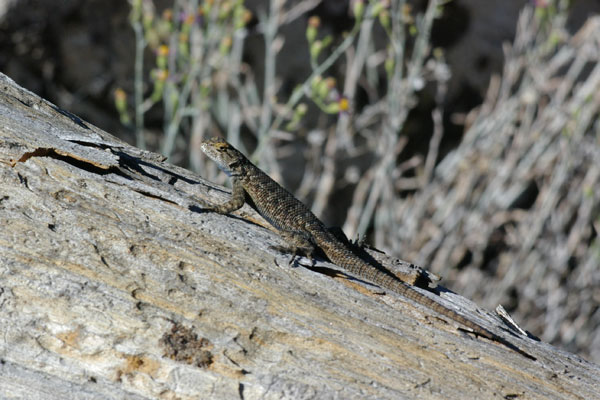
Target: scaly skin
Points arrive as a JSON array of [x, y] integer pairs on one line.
[[305, 231]]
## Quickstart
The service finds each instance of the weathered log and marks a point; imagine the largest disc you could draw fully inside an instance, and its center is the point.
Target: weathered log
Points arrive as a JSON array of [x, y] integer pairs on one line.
[[115, 284]]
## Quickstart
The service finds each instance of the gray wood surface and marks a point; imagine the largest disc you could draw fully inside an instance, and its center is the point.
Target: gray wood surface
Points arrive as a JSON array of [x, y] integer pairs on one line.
[[114, 284]]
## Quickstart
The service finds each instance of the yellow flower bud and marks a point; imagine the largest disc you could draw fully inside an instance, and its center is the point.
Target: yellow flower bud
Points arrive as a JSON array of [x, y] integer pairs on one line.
[[344, 104], [358, 9], [315, 49]]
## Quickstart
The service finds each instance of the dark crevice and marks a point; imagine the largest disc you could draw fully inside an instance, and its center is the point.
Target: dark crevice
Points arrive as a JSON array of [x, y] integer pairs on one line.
[[96, 145], [86, 166], [23, 180], [153, 196], [241, 390], [25, 103]]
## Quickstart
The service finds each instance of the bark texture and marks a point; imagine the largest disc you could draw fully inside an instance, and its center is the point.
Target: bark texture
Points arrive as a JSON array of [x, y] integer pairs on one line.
[[115, 284]]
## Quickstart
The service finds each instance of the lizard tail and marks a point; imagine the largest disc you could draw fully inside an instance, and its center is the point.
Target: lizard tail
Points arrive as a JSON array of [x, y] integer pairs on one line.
[[407, 291], [342, 256]]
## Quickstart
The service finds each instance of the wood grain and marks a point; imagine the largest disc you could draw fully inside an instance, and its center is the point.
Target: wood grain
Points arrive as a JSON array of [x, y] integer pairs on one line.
[[115, 284]]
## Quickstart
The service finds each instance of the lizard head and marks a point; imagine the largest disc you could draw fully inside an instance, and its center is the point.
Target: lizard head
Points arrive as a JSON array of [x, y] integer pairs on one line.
[[228, 158]]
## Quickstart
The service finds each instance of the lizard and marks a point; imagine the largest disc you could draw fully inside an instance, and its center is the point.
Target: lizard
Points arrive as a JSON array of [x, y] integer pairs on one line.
[[305, 232]]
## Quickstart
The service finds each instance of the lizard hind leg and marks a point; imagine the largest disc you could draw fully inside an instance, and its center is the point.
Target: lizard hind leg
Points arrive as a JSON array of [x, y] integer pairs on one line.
[[298, 243]]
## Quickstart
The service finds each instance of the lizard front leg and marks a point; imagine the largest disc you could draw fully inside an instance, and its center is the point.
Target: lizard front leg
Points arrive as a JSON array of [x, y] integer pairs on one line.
[[238, 198]]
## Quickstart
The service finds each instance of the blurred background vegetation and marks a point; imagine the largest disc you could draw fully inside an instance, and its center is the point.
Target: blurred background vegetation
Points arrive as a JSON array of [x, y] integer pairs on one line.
[[462, 136]]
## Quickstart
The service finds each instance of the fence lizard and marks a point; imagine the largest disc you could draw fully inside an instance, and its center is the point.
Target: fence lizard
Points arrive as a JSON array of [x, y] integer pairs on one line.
[[296, 223]]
